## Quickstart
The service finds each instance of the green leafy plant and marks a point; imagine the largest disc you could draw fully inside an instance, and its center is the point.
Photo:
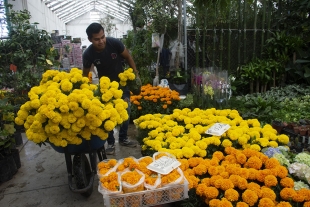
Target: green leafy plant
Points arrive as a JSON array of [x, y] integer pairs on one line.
[[26, 54]]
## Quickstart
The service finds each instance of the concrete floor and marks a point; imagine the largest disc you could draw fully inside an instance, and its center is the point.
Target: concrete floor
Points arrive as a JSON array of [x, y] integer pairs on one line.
[[42, 179]]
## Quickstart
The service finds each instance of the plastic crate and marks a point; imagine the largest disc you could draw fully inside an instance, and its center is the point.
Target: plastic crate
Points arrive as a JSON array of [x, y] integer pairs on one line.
[[167, 194]]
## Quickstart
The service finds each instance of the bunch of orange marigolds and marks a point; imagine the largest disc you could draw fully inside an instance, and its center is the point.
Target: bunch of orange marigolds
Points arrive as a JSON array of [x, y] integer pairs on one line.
[[154, 100]]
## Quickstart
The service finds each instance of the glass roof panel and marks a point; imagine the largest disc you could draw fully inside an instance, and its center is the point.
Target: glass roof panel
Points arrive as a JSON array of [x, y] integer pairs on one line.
[[68, 10]]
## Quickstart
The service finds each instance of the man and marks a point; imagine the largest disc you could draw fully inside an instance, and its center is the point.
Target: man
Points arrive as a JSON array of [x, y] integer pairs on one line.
[[107, 54]]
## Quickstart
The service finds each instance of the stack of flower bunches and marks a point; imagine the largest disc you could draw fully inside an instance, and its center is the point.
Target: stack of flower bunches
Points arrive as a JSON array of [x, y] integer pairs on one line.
[[242, 178], [183, 133], [65, 108]]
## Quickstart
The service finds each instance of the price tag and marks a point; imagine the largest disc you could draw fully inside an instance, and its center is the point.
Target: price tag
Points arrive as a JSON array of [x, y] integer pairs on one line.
[[164, 165], [218, 129]]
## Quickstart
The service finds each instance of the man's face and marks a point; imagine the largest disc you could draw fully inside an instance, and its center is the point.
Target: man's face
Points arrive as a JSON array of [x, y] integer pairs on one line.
[[98, 40]]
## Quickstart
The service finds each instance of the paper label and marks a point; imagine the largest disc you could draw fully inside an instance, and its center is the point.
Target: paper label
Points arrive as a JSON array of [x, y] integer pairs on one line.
[[218, 129], [164, 165]]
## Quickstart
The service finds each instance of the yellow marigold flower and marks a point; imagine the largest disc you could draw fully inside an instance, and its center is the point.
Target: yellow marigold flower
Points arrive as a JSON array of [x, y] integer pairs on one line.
[[265, 202], [250, 197], [231, 195], [255, 147], [226, 143], [273, 144]]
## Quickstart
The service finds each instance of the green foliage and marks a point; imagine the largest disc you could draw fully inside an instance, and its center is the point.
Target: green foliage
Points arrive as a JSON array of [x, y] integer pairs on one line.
[[29, 49], [288, 104]]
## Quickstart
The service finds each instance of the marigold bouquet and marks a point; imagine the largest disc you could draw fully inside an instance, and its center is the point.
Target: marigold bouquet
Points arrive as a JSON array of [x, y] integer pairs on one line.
[[130, 79], [183, 133], [242, 178], [154, 100], [65, 109]]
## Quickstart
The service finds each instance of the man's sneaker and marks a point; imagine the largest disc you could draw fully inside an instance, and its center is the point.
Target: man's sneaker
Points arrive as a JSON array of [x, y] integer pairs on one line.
[[128, 143], [110, 150]]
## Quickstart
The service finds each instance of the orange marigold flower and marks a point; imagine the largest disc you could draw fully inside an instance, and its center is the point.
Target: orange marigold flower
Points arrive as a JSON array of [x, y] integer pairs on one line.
[[270, 180], [234, 179], [268, 193], [299, 198], [231, 159], [218, 154], [218, 183], [250, 153], [287, 193], [271, 163], [242, 204], [214, 178], [224, 175], [206, 181], [220, 168], [241, 158], [282, 171], [230, 150], [242, 183], [213, 170], [200, 169], [250, 197], [150, 180], [225, 203], [232, 168], [256, 188], [285, 204], [305, 192], [201, 189], [231, 194], [226, 184], [193, 181], [211, 192], [244, 172], [194, 161], [184, 164], [139, 107], [261, 174], [131, 177], [307, 204], [287, 182], [252, 173], [266, 202], [214, 161], [254, 162], [214, 203]]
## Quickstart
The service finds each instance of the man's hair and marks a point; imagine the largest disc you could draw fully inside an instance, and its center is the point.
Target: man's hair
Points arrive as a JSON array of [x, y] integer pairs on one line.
[[93, 28]]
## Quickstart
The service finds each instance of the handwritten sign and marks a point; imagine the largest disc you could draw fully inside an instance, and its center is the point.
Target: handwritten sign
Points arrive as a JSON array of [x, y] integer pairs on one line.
[[218, 129], [164, 165]]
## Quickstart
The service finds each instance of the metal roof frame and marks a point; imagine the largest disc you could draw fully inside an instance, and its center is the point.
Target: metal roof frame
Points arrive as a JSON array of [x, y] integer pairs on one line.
[[68, 10]]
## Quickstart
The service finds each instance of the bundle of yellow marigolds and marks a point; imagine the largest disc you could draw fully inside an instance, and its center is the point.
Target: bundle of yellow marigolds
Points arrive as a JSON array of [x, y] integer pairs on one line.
[[183, 133], [65, 109]]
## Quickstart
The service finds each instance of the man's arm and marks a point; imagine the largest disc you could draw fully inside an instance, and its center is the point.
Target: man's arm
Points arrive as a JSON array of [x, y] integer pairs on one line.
[[86, 71], [129, 60]]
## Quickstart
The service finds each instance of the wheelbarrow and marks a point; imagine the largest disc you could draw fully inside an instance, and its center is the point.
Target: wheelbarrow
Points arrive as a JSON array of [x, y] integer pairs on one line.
[[78, 167]]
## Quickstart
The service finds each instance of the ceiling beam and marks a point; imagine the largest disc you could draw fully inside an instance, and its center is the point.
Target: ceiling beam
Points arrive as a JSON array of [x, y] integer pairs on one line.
[[115, 5], [60, 5], [111, 6], [118, 16], [75, 15], [63, 14], [59, 10]]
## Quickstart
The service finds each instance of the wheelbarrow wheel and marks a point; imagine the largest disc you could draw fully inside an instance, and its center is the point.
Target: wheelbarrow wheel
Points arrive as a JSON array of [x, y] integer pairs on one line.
[[82, 173]]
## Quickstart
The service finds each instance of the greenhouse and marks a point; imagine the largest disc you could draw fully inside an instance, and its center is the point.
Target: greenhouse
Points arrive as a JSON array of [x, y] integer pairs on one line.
[[169, 103]]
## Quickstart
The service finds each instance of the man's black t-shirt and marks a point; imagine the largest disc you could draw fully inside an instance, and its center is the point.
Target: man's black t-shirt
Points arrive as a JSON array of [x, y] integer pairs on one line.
[[109, 61]]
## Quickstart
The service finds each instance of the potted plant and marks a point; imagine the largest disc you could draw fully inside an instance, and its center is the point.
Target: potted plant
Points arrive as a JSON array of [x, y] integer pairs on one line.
[[9, 155], [179, 81]]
